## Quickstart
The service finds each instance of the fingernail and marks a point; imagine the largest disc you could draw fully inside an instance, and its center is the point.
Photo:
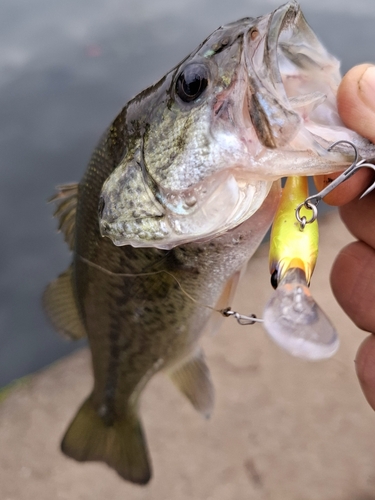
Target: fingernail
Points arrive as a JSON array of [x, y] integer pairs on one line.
[[366, 87]]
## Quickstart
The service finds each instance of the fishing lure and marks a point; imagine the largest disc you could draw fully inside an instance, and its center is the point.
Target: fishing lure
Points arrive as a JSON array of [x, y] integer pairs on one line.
[[291, 317]]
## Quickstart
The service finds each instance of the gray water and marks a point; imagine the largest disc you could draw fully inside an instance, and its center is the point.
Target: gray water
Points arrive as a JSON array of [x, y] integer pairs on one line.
[[66, 69]]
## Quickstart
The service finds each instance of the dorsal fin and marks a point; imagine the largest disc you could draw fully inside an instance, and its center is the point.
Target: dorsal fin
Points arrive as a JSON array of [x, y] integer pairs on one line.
[[60, 305], [66, 200]]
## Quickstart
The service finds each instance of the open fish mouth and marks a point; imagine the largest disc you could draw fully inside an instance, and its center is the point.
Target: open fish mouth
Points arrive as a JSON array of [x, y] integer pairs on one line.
[[293, 83]]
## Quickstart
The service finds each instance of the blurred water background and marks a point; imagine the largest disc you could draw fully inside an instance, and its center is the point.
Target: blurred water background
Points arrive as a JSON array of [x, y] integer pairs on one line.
[[66, 69]]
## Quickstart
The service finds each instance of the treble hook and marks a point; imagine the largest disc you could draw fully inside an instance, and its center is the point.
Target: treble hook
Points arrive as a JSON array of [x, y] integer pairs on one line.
[[312, 201], [372, 187]]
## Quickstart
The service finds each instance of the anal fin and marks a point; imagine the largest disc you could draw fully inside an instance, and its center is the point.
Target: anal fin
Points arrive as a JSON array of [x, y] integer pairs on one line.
[[61, 308], [193, 379]]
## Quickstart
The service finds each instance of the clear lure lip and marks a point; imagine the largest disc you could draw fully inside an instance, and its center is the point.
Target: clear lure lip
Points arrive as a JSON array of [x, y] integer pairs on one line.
[[295, 321]]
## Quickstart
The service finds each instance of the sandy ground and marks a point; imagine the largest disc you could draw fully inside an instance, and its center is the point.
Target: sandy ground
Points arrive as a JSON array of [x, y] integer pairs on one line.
[[282, 428]]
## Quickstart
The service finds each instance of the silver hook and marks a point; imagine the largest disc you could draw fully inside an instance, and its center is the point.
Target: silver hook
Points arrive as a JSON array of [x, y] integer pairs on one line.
[[312, 201], [241, 318], [372, 187], [316, 198], [350, 144]]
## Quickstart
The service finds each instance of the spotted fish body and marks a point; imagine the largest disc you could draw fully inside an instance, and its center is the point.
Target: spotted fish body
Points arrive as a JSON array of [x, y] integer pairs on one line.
[[134, 305], [176, 198]]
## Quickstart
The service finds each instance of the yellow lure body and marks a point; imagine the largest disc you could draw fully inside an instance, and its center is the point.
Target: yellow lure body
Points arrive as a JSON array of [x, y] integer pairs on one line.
[[291, 316], [291, 246]]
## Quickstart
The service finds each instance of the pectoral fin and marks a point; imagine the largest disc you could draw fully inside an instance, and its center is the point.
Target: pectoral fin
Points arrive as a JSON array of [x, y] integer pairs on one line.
[[61, 308], [225, 300], [66, 199], [194, 380]]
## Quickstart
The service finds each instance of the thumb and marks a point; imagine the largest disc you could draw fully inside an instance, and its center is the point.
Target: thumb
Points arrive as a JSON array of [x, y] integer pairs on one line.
[[356, 100]]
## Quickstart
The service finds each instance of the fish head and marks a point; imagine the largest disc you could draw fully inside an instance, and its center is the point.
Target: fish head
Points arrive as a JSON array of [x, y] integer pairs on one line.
[[256, 101]]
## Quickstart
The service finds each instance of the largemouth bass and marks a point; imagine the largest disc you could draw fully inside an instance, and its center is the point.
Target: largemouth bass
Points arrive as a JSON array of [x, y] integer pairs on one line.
[[176, 198]]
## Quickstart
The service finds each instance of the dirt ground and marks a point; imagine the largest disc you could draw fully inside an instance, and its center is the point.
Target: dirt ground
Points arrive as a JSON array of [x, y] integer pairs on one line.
[[282, 428]]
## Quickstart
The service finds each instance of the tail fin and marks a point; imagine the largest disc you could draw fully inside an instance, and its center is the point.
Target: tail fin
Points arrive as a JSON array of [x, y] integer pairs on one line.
[[121, 445]]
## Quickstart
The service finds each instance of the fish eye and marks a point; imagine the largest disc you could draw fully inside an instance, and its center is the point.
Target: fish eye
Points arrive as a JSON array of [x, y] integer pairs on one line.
[[274, 280], [192, 82]]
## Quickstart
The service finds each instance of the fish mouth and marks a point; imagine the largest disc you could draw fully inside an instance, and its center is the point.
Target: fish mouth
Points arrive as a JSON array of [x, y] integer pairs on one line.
[[275, 60], [287, 18], [291, 95]]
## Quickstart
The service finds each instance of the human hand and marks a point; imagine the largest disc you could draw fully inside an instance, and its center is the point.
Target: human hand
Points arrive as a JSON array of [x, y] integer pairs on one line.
[[353, 273]]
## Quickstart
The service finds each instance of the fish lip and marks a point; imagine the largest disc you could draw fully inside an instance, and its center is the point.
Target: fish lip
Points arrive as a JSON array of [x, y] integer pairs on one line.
[[279, 19], [274, 120]]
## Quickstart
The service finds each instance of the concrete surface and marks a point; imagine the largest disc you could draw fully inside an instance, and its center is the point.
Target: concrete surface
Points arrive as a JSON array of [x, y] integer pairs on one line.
[[282, 428]]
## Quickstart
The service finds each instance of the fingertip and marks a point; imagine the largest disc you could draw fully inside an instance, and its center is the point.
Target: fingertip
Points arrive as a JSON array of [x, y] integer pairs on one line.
[[365, 368], [356, 100], [347, 92]]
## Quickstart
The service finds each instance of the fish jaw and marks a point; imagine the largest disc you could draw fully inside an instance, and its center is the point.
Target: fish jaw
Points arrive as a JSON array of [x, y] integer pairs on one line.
[[229, 200]]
